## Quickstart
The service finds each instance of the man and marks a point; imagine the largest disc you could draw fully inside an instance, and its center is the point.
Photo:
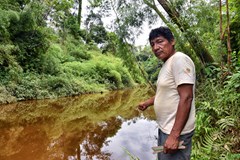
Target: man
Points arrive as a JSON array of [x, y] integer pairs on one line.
[[174, 98]]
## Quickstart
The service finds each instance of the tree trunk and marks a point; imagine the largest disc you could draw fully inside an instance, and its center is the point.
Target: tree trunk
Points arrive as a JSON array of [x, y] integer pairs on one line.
[[193, 39], [79, 12], [220, 23], [228, 36], [185, 49]]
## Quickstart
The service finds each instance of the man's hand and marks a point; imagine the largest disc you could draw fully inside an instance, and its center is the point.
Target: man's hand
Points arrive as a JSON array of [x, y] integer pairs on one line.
[[142, 106], [171, 145]]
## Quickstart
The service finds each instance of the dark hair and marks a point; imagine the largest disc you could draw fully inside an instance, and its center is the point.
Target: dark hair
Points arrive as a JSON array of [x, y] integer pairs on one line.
[[161, 31]]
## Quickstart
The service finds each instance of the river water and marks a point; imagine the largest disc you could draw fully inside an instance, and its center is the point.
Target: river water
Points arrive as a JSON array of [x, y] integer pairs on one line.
[[103, 126]]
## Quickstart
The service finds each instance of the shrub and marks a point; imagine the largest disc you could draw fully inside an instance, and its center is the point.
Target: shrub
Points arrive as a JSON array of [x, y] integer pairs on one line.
[[58, 86], [80, 55], [52, 60], [218, 118], [32, 45], [5, 96], [103, 70]]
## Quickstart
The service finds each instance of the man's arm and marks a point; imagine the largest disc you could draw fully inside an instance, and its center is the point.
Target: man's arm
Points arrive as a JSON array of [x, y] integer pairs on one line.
[[144, 105], [185, 92]]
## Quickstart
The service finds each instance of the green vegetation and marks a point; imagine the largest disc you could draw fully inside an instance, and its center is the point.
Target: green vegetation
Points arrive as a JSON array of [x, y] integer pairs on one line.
[[66, 71], [38, 62], [217, 127]]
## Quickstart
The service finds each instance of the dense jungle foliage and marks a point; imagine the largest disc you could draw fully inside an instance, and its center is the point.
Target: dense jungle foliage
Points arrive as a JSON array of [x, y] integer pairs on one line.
[[45, 52], [39, 62]]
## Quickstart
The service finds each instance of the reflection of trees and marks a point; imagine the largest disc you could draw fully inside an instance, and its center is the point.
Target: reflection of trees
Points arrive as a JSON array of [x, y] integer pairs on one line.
[[19, 141], [98, 136], [89, 141], [57, 129]]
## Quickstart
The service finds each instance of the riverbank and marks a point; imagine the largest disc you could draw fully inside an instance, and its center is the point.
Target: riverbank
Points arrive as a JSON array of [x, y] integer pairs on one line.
[[37, 87], [68, 77]]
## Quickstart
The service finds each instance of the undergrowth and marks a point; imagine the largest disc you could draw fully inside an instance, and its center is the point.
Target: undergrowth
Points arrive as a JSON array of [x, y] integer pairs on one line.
[[217, 126]]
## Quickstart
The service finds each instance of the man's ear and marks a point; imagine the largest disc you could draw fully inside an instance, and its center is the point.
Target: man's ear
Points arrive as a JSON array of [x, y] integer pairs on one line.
[[173, 42]]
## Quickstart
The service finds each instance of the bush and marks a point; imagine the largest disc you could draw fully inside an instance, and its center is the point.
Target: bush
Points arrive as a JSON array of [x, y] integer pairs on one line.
[[218, 129], [27, 86], [5, 96], [58, 86], [80, 55], [7, 60], [32, 45], [105, 70], [114, 72], [6, 17], [52, 60]]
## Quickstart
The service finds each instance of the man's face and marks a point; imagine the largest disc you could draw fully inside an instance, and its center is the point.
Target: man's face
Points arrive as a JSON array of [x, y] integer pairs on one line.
[[162, 48]]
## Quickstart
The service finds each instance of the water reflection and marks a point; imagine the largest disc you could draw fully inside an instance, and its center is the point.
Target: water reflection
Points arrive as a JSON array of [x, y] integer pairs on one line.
[[88, 127], [136, 137]]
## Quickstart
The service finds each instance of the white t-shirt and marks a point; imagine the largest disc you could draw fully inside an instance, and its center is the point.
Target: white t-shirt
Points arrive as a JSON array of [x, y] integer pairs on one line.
[[178, 69]]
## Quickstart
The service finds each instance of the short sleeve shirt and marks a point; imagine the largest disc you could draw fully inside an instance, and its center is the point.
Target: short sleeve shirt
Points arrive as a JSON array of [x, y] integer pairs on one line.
[[178, 69]]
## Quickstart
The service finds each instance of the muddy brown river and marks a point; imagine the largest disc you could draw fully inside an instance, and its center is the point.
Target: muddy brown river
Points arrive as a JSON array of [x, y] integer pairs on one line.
[[104, 126]]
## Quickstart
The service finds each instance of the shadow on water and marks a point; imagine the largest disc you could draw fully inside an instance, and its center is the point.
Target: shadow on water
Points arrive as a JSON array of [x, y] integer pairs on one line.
[[89, 127]]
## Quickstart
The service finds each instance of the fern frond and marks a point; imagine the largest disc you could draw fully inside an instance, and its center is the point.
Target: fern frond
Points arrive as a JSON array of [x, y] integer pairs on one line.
[[207, 144], [226, 122]]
